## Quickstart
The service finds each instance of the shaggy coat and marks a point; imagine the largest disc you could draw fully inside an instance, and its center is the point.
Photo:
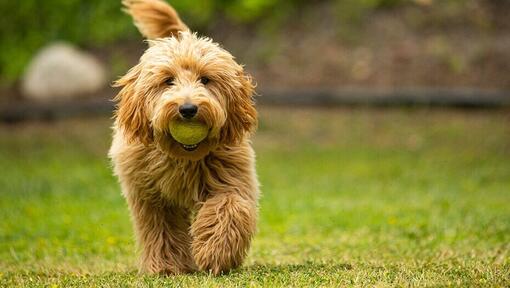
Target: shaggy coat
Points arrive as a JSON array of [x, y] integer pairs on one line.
[[190, 209]]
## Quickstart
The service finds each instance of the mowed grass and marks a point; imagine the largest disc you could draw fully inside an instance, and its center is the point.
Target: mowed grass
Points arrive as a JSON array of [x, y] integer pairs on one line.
[[393, 197]]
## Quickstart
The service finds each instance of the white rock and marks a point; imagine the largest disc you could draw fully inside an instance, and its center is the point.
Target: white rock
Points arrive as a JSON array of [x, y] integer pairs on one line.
[[60, 71]]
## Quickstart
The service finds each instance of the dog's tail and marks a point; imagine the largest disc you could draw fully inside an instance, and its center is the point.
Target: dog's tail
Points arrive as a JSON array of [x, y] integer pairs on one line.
[[154, 18]]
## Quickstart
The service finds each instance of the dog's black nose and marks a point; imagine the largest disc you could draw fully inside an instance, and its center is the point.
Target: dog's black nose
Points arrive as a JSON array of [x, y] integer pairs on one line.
[[188, 110]]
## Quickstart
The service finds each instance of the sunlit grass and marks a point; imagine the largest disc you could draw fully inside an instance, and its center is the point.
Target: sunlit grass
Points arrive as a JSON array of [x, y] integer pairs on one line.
[[350, 197]]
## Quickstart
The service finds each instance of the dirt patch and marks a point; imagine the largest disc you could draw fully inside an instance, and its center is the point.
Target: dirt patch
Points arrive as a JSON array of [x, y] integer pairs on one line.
[[410, 46]]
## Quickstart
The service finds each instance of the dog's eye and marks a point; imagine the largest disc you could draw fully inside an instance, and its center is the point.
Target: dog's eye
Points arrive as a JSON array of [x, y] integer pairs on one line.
[[170, 81], [204, 80]]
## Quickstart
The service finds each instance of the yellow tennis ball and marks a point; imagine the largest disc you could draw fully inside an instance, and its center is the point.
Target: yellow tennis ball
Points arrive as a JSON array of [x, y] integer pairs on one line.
[[188, 132]]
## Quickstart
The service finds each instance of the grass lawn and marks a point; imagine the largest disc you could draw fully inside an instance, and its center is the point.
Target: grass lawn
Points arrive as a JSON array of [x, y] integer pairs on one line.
[[391, 197]]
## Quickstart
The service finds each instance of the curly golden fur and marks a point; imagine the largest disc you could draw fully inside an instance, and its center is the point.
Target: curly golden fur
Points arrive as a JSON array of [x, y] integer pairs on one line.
[[192, 210]]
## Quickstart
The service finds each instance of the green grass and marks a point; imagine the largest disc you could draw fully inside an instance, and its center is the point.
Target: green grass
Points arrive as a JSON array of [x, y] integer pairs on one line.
[[396, 197]]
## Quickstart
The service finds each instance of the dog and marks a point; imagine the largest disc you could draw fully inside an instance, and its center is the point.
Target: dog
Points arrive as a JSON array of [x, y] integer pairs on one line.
[[192, 208]]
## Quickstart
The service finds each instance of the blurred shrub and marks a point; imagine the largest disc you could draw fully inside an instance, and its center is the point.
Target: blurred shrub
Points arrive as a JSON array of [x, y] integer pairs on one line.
[[26, 25]]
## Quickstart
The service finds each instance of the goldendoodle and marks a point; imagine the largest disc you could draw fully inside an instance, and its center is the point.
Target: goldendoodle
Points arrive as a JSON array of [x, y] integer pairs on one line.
[[194, 207]]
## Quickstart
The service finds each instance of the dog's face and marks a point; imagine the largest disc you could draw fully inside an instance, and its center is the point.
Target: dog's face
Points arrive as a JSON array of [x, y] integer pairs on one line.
[[186, 77]]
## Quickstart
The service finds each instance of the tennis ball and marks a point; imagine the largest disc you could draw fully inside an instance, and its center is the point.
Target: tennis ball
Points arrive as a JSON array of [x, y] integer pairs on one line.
[[188, 132]]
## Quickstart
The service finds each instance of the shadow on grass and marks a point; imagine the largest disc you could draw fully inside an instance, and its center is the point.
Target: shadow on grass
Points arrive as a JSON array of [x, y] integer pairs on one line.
[[257, 272], [307, 267]]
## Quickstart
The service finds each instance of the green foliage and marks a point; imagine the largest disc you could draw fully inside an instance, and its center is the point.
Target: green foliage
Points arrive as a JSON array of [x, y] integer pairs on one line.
[[29, 24], [350, 198]]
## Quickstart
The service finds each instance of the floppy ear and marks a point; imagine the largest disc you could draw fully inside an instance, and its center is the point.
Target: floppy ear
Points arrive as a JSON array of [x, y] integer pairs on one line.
[[131, 114], [242, 115], [154, 18]]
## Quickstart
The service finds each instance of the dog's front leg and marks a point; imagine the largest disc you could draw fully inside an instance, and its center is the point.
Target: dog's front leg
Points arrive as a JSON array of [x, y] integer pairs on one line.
[[163, 235], [222, 231]]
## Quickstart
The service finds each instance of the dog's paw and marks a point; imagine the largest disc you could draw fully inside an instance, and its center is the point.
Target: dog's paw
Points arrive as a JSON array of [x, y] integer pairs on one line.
[[222, 233], [164, 267]]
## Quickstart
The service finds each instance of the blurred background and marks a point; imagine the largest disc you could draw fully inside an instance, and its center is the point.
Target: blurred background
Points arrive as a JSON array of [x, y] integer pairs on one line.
[[291, 44], [383, 144]]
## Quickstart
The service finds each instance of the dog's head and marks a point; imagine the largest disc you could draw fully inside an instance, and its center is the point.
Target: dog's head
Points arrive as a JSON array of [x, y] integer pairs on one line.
[[182, 76]]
